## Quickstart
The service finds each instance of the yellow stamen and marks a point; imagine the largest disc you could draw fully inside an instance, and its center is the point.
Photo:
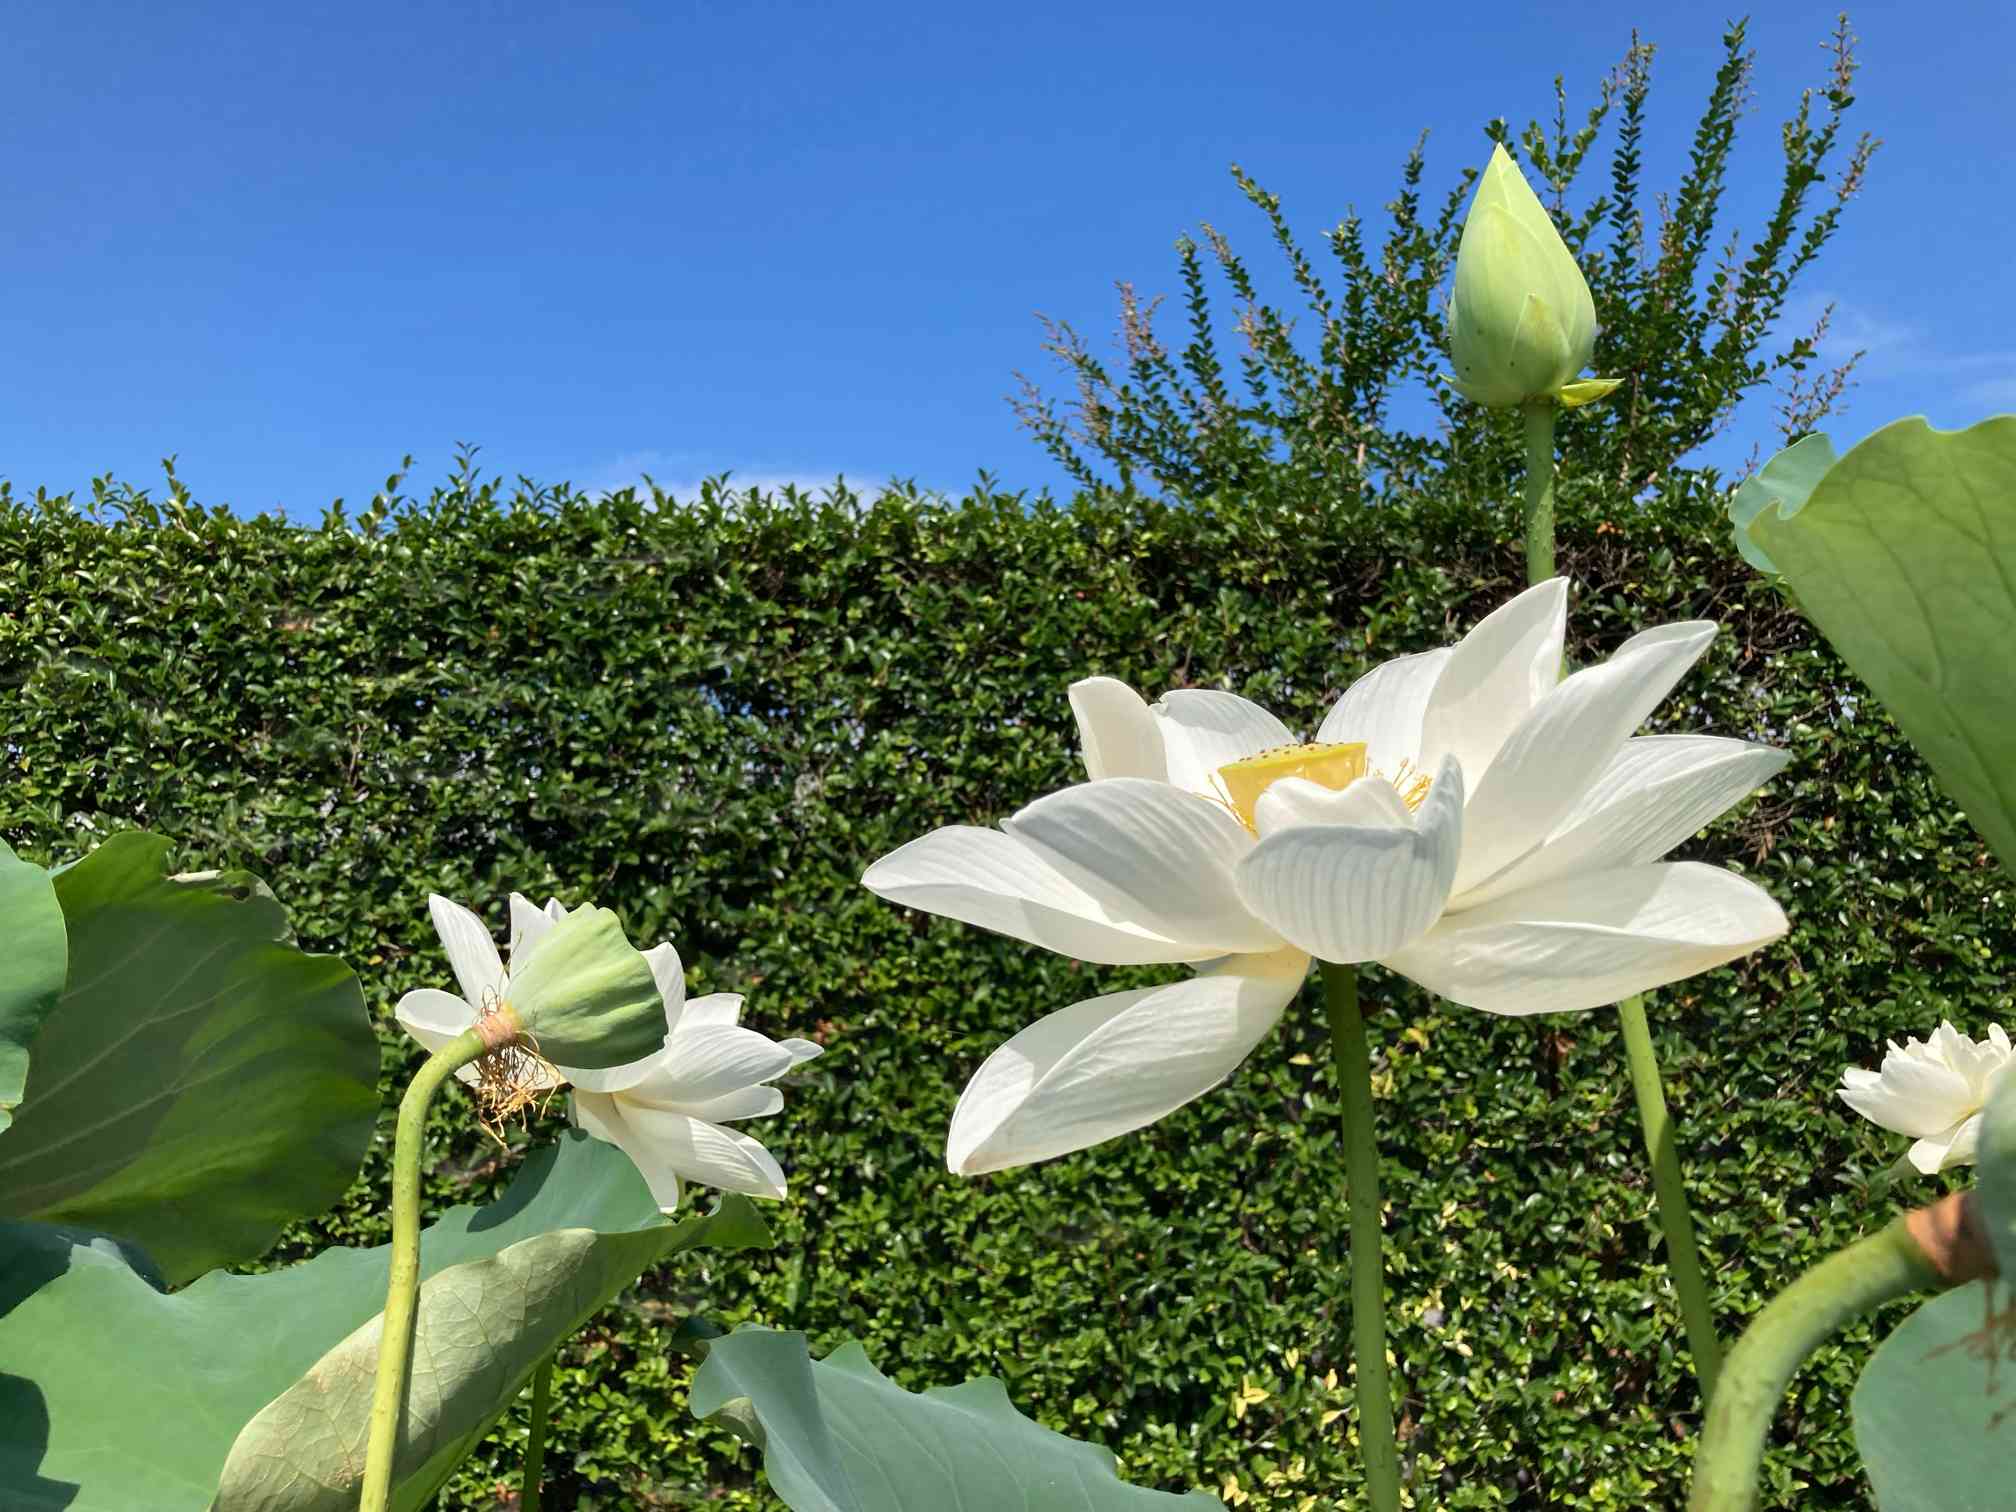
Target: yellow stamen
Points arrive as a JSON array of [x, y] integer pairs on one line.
[[1332, 766], [1411, 783]]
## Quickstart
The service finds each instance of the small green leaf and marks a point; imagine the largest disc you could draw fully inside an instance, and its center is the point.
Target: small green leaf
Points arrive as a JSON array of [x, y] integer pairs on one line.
[[255, 1390], [1905, 556], [1933, 1436], [1585, 391], [1787, 480], [839, 1436], [31, 982], [202, 1082]]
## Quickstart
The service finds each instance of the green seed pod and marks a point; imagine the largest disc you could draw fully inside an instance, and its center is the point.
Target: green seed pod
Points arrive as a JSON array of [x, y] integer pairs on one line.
[[1521, 320], [587, 997]]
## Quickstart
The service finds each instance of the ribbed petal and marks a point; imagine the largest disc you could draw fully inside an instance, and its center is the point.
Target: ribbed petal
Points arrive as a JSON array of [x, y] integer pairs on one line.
[[1154, 858], [1203, 730], [670, 976], [749, 1102], [1350, 892], [990, 879], [1565, 743], [1116, 1063], [696, 1150], [602, 1116], [1384, 709], [714, 1008], [708, 1061], [529, 925], [470, 950], [1493, 678], [1912, 1095], [1656, 792], [1116, 732], [435, 1018], [1292, 801], [1594, 939]]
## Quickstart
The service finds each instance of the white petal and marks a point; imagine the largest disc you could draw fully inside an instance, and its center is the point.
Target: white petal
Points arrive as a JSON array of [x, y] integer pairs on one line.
[[1112, 1064], [555, 909], [1566, 742], [1593, 939], [1154, 858], [602, 1116], [1354, 892], [749, 1102], [1493, 677], [619, 1078], [471, 951], [435, 1018], [1290, 801], [1204, 729], [1384, 709], [529, 925], [990, 879], [1116, 732], [1913, 1095], [1962, 1144], [1657, 791], [700, 1151], [714, 1008], [671, 979], [707, 1061]]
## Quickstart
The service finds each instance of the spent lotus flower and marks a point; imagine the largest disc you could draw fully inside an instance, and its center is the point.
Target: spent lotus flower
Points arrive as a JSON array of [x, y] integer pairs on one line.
[[668, 1110], [1933, 1091], [1468, 817]]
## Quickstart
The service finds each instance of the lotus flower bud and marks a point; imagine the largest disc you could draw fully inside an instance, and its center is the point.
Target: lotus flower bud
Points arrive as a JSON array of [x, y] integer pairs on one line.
[[1521, 320], [586, 997]]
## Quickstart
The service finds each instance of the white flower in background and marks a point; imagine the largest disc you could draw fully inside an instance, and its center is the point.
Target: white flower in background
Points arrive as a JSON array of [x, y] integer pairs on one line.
[[1467, 817], [1932, 1091], [667, 1111]]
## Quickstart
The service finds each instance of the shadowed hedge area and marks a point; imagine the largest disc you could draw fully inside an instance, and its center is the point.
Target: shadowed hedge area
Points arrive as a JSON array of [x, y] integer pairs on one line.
[[711, 717]]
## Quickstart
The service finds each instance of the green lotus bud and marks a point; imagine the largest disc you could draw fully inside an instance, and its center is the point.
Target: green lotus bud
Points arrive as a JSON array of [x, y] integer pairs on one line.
[[1521, 322], [587, 997]]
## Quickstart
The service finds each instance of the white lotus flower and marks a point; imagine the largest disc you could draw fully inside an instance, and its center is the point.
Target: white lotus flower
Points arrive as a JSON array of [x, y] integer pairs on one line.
[[1933, 1091], [666, 1111], [1467, 817]]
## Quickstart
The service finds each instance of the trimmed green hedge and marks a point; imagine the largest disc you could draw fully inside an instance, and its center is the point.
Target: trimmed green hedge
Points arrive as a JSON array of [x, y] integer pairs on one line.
[[711, 717]]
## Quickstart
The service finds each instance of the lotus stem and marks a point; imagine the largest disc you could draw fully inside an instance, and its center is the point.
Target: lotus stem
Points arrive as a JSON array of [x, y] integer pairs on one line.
[[1878, 1269], [535, 1442], [1539, 417], [1352, 1057], [402, 1293], [1676, 1219]]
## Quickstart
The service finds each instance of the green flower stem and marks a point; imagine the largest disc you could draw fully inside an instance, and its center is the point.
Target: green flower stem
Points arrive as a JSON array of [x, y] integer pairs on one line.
[[402, 1294], [1539, 417], [1352, 1057], [535, 1443], [1878, 1269], [1676, 1220]]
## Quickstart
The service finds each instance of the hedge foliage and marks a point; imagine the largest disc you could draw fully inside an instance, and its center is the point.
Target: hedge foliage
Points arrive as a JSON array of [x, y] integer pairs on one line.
[[712, 716]]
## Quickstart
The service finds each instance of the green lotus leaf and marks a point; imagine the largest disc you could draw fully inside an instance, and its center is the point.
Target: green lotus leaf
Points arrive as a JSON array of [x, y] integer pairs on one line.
[[253, 1392], [839, 1436], [1786, 481], [1933, 1435], [31, 982], [1995, 1188], [1905, 556], [202, 1082]]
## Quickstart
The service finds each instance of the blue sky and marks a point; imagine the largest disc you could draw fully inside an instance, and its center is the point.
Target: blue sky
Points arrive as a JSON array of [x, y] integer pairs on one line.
[[291, 243]]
